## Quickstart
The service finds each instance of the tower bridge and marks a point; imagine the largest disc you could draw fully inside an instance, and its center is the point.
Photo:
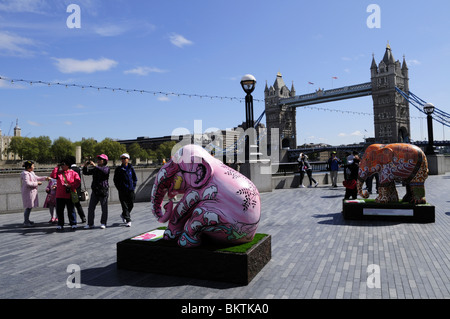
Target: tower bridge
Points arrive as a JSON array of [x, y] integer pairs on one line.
[[391, 110]]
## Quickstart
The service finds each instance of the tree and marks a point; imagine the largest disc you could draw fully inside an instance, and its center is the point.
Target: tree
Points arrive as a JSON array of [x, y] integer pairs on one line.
[[112, 149], [16, 146], [88, 148], [62, 147], [135, 151], [166, 149], [43, 144]]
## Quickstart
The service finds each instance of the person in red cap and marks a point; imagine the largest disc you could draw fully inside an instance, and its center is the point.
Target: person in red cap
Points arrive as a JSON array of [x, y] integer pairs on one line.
[[100, 189]]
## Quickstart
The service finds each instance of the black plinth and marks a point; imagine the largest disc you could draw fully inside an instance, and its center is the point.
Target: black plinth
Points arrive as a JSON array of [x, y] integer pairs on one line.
[[205, 262], [401, 212]]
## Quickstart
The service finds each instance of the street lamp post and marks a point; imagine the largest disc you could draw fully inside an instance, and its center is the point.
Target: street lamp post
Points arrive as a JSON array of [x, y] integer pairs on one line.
[[248, 83], [429, 110]]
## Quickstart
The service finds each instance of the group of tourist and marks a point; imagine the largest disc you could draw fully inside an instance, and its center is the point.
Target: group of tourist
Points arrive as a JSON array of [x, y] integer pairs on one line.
[[350, 166], [65, 180]]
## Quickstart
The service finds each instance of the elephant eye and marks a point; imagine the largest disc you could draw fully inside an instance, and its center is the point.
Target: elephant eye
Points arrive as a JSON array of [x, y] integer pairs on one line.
[[201, 173]]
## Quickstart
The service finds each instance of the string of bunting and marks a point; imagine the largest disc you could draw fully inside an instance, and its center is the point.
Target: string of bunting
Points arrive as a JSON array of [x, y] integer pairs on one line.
[[141, 91], [99, 88], [352, 112]]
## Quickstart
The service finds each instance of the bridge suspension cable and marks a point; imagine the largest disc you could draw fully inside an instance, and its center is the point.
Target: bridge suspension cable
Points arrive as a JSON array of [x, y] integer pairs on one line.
[[439, 115]]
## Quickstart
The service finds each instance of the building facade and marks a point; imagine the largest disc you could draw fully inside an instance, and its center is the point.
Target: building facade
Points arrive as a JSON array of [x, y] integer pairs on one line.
[[281, 116], [391, 110]]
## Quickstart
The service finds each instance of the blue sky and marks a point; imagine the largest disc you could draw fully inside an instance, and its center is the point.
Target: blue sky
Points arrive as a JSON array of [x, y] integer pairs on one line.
[[204, 47]]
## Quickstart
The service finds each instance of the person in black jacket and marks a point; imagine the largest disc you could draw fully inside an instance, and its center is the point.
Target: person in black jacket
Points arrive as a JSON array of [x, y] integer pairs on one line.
[[125, 181], [100, 189], [352, 168]]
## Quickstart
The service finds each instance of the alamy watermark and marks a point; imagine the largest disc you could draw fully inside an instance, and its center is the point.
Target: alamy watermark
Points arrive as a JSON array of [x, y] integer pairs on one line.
[[74, 19], [229, 145], [74, 279], [374, 20], [374, 276]]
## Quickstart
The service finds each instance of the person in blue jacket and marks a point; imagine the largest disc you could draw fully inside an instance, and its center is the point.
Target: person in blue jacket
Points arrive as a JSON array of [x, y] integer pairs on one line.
[[125, 181]]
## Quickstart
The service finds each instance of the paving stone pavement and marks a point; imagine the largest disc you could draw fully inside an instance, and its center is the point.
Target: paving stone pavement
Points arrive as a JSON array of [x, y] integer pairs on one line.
[[316, 254]]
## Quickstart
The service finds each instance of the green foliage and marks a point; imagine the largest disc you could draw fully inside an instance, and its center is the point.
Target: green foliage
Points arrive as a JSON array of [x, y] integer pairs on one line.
[[42, 150], [112, 149], [88, 148], [61, 148]]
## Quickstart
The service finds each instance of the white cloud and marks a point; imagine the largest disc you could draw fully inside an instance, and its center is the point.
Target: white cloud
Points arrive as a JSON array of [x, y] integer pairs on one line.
[[32, 6], [68, 123], [179, 41], [355, 133], [413, 62], [144, 70], [110, 30], [12, 44], [34, 123], [84, 66], [125, 26], [163, 99]]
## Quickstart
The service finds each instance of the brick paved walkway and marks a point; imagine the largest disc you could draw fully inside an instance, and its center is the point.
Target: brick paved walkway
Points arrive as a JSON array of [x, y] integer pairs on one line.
[[315, 254]]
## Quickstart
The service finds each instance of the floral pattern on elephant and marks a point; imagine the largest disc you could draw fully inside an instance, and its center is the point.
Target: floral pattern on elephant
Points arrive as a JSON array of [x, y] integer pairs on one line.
[[218, 202], [395, 162]]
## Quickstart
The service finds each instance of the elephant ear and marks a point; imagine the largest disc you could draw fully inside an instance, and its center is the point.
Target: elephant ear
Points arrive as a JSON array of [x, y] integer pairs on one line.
[[384, 155], [195, 164]]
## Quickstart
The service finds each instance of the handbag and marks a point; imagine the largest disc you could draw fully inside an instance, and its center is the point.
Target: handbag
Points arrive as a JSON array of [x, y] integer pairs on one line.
[[84, 194], [350, 184]]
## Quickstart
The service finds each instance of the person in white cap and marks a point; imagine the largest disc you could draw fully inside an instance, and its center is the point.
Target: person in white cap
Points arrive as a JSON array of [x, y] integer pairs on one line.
[[125, 181]]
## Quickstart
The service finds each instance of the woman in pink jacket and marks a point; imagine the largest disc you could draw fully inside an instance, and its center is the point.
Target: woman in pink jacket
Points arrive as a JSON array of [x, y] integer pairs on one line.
[[30, 183], [67, 180]]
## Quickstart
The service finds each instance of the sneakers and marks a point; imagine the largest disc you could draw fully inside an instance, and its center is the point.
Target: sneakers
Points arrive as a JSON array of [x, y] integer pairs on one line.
[[302, 186], [102, 226], [317, 183], [128, 224], [59, 228], [88, 226], [28, 224], [123, 218]]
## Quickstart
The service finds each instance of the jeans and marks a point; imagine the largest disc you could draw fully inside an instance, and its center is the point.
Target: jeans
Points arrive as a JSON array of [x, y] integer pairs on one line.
[[95, 199], [61, 203], [26, 215]]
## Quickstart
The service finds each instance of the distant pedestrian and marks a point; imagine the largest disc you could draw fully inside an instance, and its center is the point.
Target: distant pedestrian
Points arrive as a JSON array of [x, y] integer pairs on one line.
[[100, 189], [67, 182], [369, 182], [351, 191], [30, 183], [125, 181], [50, 200], [333, 168], [77, 205], [305, 166]]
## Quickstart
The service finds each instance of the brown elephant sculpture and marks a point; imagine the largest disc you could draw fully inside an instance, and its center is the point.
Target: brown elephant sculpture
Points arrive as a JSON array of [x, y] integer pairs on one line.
[[395, 162]]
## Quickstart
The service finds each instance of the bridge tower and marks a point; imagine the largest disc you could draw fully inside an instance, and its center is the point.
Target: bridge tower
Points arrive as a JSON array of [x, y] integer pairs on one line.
[[391, 110], [280, 116]]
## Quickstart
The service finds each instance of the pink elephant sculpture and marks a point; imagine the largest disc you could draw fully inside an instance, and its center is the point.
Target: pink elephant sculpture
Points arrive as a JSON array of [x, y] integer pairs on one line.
[[218, 202]]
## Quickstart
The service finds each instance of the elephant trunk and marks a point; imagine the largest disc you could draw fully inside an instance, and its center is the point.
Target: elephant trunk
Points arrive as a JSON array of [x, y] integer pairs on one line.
[[359, 186], [161, 187]]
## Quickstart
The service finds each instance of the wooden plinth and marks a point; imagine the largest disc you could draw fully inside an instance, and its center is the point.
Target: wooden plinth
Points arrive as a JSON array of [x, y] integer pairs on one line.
[[402, 212], [205, 262]]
